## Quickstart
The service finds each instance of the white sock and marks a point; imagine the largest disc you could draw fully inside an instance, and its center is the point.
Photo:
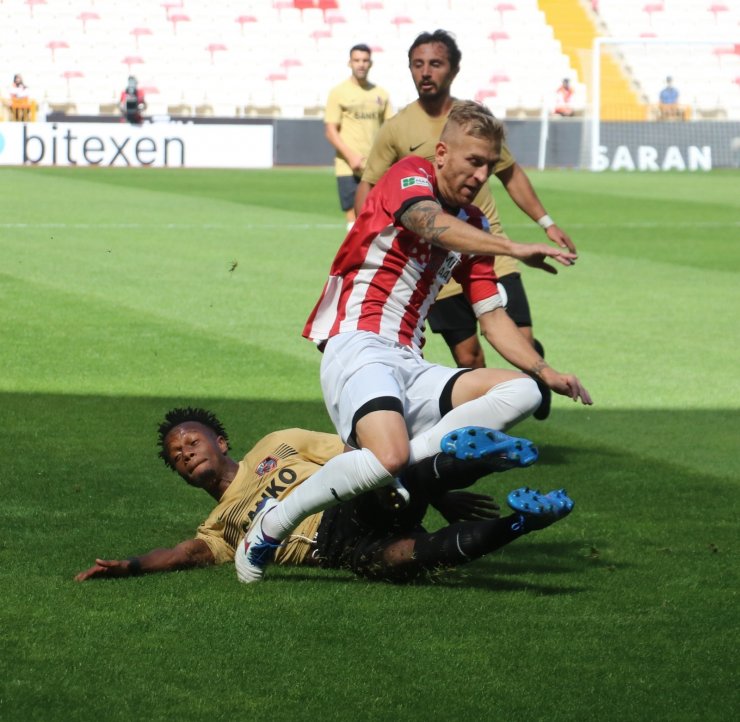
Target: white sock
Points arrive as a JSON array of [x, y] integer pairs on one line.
[[341, 478], [499, 408]]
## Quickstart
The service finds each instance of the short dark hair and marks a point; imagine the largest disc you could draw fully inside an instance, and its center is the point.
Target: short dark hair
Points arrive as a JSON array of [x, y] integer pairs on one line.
[[440, 36], [362, 48], [174, 417]]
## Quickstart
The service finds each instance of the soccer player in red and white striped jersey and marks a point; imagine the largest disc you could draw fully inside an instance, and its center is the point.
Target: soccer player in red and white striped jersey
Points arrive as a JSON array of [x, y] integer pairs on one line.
[[385, 277], [417, 229]]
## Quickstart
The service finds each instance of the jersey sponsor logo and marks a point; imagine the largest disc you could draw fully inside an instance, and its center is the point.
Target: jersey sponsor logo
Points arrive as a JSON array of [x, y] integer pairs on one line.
[[266, 466], [415, 180], [412, 148], [286, 477]]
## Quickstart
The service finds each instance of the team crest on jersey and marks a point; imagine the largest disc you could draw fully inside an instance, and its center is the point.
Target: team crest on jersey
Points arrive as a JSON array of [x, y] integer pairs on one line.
[[266, 466], [415, 180]]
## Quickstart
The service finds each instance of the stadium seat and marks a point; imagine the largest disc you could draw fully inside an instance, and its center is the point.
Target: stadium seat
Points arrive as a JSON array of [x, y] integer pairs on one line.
[[652, 8], [130, 61], [137, 33], [214, 48], [178, 18], [327, 5], [717, 10], [86, 17], [503, 9], [33, 3], [244, 20], [55, 46], [258, 36]]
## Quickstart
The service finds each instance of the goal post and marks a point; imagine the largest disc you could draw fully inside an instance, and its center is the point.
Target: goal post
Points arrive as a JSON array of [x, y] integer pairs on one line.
[[700, 132]]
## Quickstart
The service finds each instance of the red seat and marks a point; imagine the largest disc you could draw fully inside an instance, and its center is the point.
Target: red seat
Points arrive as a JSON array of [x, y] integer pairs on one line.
[[327, 5], [55, 45], [85, 17], [334, 18], [69, 75], [170, 6], [213, 48], [31, 4], [132, 60], [717, 8], [138, 32], [504, 8], [400, 20], [244, 19], [651, 8], [484, 93], [178, 18], [320, 34], [497, 35]]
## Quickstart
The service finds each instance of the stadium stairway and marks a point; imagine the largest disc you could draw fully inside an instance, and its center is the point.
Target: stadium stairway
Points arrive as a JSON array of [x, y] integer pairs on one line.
[[575, 29]]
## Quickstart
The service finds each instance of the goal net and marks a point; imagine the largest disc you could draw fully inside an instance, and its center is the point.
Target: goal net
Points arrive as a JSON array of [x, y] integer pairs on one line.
[[663, 105]]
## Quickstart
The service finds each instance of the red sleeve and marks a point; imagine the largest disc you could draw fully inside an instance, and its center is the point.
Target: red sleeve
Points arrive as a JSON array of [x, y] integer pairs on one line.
[[405, 183], [475, 274]]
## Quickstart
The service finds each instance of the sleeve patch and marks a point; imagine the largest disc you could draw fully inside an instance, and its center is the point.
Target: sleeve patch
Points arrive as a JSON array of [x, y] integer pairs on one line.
[[415, 180]]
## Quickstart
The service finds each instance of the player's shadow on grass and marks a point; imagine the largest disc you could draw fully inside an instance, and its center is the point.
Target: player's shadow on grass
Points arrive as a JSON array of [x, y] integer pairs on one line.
[[496, 573], [75, 461], [560, 455]]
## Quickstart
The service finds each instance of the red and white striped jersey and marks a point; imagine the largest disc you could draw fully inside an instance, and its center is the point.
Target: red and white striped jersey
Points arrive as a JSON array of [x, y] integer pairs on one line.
[[384, 278]]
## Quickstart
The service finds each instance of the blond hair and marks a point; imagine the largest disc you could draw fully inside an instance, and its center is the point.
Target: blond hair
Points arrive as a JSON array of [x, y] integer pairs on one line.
[[474, 119]]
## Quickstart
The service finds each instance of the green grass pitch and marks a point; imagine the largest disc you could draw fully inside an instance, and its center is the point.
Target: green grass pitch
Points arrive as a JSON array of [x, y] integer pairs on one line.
[[124, 292]]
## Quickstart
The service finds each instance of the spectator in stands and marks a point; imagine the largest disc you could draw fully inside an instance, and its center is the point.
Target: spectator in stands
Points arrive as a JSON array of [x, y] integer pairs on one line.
[[668, 105], [132, 102], [20, 103], [356, 108], [564, 99]]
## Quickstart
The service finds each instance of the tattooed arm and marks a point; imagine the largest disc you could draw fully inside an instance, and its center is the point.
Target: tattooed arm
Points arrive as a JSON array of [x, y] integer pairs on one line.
[[427, 219]]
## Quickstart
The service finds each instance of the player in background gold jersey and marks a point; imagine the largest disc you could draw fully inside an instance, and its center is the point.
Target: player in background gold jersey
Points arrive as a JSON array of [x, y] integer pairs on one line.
[[368, 535], [434, 61], [355, 110]]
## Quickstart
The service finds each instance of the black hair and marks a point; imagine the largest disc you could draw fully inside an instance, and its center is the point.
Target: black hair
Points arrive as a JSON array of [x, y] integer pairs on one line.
[[362, 48], [177, 416], [440, 36]]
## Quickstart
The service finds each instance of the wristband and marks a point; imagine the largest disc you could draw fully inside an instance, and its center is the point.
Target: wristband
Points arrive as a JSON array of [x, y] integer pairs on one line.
[[545, 222], [134, 566]]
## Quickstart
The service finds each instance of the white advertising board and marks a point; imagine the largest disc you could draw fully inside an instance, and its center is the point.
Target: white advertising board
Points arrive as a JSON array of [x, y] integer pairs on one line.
[[158, 145]]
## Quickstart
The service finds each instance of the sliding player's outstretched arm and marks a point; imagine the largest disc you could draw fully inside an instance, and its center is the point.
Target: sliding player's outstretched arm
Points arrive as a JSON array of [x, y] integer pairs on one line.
[[186, 555]]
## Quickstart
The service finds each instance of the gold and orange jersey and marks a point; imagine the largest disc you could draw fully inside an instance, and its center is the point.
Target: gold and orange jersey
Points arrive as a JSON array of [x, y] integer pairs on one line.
[[359, 112], [274, 467]]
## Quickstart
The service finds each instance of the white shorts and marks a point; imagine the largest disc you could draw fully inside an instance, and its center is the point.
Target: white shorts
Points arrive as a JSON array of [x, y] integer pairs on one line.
[[360, 366]]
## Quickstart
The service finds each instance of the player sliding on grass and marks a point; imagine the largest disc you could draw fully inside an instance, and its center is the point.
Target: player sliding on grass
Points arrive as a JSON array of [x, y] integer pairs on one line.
[[417, 229], [366, 535]]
